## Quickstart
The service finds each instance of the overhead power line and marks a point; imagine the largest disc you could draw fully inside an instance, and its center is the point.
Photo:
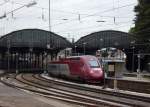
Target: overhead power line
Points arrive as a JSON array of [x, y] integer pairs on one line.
[[26, 5], [95, 26], [75, 13], [4, 2], [56, 10], [108, 10], [78, 15]]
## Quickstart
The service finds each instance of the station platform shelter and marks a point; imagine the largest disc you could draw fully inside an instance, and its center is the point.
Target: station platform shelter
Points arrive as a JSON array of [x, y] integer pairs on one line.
[[30, 49]]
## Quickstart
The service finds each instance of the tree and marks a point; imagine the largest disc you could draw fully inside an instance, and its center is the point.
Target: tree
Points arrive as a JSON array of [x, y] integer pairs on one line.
[[142, 21], [141, 30]]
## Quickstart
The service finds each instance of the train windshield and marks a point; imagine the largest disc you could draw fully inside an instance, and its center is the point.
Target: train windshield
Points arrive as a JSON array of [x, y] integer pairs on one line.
[[94, 64]]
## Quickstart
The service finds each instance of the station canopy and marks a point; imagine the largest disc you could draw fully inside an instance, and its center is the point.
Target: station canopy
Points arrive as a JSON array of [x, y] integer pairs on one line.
[[104, 39], [34, 38]]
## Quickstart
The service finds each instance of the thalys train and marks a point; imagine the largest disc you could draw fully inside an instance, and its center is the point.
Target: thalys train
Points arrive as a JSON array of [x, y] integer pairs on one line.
[[85, 68]]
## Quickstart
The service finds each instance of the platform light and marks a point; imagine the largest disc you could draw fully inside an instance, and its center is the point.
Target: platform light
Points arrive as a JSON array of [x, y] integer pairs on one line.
[[139, 66]]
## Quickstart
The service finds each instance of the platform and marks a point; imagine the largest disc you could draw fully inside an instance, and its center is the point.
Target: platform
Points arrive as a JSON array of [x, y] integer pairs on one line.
[[10, 97]]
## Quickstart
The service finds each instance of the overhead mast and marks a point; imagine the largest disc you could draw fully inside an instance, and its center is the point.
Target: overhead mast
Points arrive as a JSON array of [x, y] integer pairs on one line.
[[49, 16]]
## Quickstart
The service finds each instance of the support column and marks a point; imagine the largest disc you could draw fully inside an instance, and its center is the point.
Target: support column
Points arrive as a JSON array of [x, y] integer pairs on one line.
[[42, 60], [38, 63], [16, 59]]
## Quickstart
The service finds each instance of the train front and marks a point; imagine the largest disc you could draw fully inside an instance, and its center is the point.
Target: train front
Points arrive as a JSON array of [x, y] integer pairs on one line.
[[95, 72]]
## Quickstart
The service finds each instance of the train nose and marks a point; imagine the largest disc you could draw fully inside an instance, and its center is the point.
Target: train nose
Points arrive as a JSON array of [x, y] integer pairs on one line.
[[96, 73]]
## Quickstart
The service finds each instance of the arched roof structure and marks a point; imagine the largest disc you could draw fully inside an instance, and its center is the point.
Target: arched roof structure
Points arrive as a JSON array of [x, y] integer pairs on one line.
[[103, 39], [35, 38]]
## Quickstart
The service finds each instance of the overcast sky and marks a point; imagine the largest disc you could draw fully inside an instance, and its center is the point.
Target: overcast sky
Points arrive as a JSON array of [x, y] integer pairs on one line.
[[69, 18]]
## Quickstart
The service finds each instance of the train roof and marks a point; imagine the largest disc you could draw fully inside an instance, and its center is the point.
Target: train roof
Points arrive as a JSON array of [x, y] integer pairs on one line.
[[82, 56]]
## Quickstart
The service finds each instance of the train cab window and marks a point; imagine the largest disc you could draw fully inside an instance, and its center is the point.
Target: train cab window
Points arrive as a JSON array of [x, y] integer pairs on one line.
[[94, 64]]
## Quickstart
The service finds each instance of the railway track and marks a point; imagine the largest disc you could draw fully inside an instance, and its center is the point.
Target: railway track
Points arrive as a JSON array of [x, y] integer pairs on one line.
[[125, 98], [74, 93], [97, 89]]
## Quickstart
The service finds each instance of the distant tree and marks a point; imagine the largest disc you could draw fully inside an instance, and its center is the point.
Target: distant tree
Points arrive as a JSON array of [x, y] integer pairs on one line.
[[141, 30], [142, 22]]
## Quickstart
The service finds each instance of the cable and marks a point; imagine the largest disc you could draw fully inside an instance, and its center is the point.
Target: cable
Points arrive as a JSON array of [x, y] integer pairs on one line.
[[70, 12], [4, 2], [26, 5], [96, 13], [15, 9], [99, 30], [92, 27], [76, 13]]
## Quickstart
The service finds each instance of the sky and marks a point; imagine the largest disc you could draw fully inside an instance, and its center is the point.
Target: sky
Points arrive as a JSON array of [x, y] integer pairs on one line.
[[68, 18]]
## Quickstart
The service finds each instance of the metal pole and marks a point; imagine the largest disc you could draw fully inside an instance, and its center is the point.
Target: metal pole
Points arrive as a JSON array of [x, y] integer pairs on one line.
[[84, 47], [133, 44], [16, 63], [139, 66], [75, 49], [49, 16], [8, 54], [101, 40], [139, 62], [45, 62], [50, 41], [133, 60]]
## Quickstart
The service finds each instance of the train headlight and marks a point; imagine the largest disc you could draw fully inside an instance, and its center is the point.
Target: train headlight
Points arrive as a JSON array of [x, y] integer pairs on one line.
[[91, 71]]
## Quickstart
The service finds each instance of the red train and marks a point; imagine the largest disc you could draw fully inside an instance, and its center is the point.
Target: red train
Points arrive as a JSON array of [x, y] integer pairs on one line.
[[86, 68]]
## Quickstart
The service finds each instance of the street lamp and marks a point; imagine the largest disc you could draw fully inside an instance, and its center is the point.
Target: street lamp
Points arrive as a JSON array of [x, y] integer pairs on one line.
[[133, 59], [133, 43], [84, 47], [45, 62], [46, 57], [138, 70]]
